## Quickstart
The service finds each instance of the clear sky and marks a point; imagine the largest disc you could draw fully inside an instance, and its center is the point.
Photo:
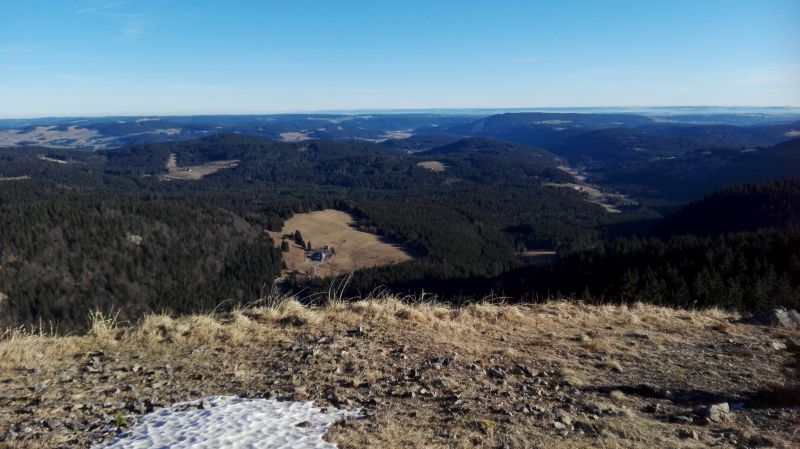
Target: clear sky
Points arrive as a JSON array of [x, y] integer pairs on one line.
[[91, 57]]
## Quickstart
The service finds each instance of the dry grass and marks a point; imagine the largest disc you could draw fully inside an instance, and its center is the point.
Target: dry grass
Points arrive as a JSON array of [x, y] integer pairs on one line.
[[434, 166], [354, 249], [577, 355], [194, 172]]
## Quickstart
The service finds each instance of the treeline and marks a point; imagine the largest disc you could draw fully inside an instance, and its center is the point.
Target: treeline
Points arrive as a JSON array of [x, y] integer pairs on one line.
[[746, 207], [738, 248], [746, 271], [61, 260]]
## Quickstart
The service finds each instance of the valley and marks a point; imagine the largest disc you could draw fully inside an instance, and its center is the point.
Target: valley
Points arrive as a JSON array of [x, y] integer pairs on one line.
[[459, 217]]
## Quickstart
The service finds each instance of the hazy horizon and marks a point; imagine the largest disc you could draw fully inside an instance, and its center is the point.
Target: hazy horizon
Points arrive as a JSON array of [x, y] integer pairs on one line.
[[647, 110]]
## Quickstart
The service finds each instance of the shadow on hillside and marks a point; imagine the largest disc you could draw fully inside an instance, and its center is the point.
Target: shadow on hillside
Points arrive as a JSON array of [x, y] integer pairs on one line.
[[686, 397]]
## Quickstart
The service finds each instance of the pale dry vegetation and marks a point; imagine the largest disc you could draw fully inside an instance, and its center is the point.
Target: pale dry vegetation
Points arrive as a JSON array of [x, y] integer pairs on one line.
[[435, 166], [354, 248], [560, 374], [195, 172]]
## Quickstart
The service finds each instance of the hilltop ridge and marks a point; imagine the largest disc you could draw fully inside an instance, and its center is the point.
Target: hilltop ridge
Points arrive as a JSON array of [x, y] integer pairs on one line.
[[556, 375]]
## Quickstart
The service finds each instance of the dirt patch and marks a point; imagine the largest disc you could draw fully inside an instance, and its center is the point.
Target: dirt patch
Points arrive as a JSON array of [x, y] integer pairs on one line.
[[352, 249], [432, 166], [194, 172]]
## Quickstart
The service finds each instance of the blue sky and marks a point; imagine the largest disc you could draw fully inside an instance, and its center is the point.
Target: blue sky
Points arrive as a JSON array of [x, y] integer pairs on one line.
[[89, 57]]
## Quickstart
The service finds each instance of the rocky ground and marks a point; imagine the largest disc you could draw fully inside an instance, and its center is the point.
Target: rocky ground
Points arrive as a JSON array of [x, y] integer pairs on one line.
[[561, 374]]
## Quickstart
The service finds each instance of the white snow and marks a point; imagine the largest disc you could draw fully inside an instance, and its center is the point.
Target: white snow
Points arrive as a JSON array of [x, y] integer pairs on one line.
[[232, 422]]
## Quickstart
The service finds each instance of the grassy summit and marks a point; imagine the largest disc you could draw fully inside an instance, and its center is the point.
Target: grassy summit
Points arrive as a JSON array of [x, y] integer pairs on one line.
[[560, 374]]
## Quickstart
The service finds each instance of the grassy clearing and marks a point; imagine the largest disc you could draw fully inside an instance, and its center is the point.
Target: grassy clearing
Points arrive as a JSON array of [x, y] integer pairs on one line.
[[195, 172], [435, 166], [354, 249], [294, 136]]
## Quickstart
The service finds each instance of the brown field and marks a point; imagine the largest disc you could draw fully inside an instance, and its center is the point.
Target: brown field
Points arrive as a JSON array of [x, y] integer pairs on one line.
[[432, 165], [354, 249], [195, 172]]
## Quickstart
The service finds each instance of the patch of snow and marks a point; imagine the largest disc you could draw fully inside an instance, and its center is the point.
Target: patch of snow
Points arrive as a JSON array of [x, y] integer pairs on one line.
[[232, 422]]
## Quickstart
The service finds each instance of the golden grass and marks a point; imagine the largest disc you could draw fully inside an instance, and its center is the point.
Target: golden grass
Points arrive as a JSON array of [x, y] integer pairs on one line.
[[354, 249], [434, 166], [581, 346]]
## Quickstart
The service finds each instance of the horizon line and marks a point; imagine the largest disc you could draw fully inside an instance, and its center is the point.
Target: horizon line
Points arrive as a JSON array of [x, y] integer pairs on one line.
[[356, 111]]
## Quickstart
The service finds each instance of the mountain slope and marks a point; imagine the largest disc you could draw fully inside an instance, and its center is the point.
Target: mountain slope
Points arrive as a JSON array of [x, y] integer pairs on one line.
[[747, 207], [699, 173], [561, 374]]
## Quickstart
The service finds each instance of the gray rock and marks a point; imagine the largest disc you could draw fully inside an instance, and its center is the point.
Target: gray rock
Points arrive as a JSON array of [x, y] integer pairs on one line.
[[496, 373], [687, 434], [778, 346], [780, 317], [716, 413]]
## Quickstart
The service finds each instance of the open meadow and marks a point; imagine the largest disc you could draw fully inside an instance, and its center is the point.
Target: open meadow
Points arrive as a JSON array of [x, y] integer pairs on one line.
[[353, 249]]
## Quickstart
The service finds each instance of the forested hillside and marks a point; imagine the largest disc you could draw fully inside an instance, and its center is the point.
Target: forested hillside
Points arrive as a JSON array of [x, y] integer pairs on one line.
[[466, 222], [738, 248], [694, 174], [111, 230], [61, 260], [745, 207]]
